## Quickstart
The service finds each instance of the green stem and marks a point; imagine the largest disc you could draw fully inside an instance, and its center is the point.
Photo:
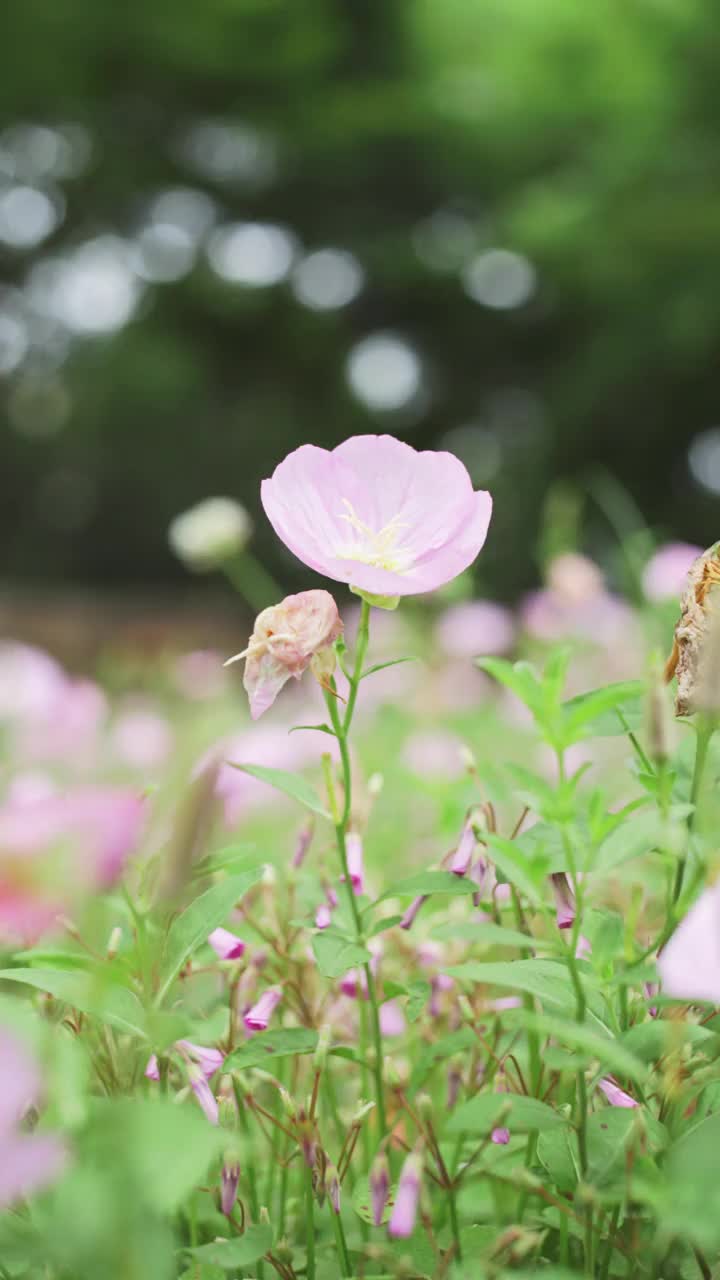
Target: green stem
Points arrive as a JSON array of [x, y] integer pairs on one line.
[[611, 1230], [455, 1225], [310, 1225], [252, 581], [342, 729], [704, 733], [345, 1267]]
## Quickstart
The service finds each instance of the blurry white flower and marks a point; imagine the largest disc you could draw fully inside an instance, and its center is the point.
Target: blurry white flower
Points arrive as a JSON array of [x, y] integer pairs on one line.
[[209, 533]]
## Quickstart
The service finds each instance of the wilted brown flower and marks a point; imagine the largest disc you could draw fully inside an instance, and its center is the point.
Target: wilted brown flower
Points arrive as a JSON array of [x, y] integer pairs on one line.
[[695, 657]]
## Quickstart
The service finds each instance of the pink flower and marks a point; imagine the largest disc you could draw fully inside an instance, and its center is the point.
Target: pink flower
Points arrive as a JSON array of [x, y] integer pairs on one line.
[[459, 864], [689, 964], [476, 628], [564, 901], [230, 1177], [500, 1136], [614, 1094], [583, 947], [323, 917], [354, 847], [377, 514], [288, 638], [665, 574], [379, 1187], [203, 1092], [354, 984], [257, 1018], [407, 1198], [28, 1161], [392, 1019], [408, 919], [302, 844], [226, 945]]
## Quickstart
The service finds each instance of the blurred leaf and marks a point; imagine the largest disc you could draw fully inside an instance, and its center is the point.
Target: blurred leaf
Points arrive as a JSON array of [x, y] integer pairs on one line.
[[587, 714], [232, 858], [557, 1151], [515, 868], [479, 1115], [89, 992], [239, 1252], [335, 955], [166, 1146], [596, 1043], [691, 1202], [544, 979], [292, 784], [192, 927], [638, 834], [288, 1042], [520, 677], [429, 882], [318, 728], [487, 934]]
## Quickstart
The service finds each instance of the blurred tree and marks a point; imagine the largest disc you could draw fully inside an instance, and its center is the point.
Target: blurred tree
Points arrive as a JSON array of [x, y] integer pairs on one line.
[[525, 194]]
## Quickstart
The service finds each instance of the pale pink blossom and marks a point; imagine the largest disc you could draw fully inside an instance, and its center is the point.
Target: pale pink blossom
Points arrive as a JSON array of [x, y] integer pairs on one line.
[[616, 1096], [354, 846], [142, 738], [410, 916], [302, 844], [69, 727], [665, 574], [28, 1161], [564, 900], [392, 1019], [475, 628], [689, 964], [226, 945], [377, 514], [30, 682], [258, 1018], [460, 861], [379, 1187], [407, 1198], [323, 917], [230, 1178], [500, 1136], [200, 675], [287, 639]]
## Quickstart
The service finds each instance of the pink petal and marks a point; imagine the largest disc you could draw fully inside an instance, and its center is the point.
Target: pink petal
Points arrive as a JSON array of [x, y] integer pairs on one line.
[[226, 945], [28, 1163]]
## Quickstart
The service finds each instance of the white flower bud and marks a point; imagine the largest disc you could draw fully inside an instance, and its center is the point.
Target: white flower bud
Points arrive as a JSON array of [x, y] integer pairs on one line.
[[210, 533]]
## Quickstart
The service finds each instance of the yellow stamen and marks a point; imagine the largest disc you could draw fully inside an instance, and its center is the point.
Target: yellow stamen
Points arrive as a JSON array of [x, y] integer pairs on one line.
[[375, 548]]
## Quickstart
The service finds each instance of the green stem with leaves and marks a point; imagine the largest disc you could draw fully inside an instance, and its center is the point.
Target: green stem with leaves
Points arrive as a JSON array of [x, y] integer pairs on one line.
[[341, 728], [705, 730]]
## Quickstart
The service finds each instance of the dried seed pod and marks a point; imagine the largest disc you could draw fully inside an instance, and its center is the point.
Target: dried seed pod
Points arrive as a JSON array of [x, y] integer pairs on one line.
[[695, 657]]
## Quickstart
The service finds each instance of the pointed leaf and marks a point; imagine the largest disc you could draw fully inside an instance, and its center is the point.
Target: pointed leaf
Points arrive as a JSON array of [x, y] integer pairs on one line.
[[192, 927], [429, 882], [241, 1251], [259, 1051], [292, 784], [335, 955], [479, 1115], [91, 993]]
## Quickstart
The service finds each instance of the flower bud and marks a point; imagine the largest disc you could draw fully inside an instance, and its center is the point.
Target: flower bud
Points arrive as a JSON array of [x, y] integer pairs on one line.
[[323, 1045], [258, 1017], [332, 1186], [230, 1177], [285, 640], [379, 1180], [407, 1198], [564, 900]]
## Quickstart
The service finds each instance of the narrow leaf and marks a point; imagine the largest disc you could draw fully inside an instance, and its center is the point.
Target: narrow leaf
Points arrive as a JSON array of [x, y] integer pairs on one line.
[[292, 784], [190, 929], [91, 993], [288, 1042]]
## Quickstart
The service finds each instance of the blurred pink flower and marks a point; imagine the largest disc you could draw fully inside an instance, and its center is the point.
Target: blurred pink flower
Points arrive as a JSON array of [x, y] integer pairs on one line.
[[575, 578], [392, 1019], [200, 675], [460, 861], [616, 1096], [407, 1198], [377, 514], [379, 1180], [30, 681], [665, 574], [474, 629], [500, 1136], [142, 738], [201, 1063], [94, 827], [69, 726], [28, 1161], [434, 753], [226, 945], [229, 1181], [323, 917], [564, 900], [287, 639], [689, 964], [257, 1018]]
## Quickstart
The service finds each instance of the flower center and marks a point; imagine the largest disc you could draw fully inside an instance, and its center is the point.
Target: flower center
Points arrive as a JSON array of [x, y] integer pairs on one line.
[[379, 548]]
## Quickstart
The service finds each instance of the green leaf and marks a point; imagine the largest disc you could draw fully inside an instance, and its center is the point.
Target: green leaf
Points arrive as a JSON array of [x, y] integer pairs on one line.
[[693, 1188], [319, 728], [232, 858], [431, 1054], [548, 981], [590, 1040], [192, 927], [521, 678], [287, 1042], [557, 1151], [639, 834], [292, 784], [238, 1252], [91, 993], [380, 666], [589, 711], [167, 1148], [480, 1114], [491, 935], [514, 867], [381, 926], [429, 882], [335, 955]]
